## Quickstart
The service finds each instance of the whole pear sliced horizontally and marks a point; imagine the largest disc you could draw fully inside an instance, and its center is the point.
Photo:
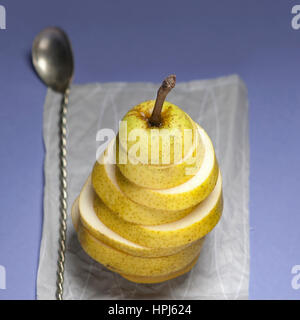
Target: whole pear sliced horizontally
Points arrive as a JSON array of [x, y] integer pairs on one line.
[[192, 227], [158, 279], [183, 196], [124, 263], [160, 176], [87, 215], [105, 184]]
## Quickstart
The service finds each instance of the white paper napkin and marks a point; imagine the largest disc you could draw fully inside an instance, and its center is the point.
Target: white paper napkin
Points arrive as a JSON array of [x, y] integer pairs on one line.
[[220, 106]]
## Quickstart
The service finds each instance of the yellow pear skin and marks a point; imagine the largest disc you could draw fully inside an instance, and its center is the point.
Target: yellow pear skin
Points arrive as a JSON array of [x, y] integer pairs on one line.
[[194, 226], [107, 188], [180, 197], [173, 120], [124, 263], [159, 279], [157, 176]]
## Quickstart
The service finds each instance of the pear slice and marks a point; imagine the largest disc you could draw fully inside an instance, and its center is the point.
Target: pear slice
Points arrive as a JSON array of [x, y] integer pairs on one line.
[[183, 196], [84, 209], [124, 263], [195, 225], [105, 184], [162, 176], [159, 279]]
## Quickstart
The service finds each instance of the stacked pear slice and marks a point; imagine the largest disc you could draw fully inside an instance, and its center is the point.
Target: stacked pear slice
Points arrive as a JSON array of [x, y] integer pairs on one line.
[[150, 234]]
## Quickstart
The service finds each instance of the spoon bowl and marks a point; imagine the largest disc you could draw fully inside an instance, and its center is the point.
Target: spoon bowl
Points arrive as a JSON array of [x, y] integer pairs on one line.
[[52, 58]]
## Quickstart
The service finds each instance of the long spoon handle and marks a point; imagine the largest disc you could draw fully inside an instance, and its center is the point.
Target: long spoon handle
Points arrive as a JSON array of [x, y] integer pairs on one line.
[[63, 196]]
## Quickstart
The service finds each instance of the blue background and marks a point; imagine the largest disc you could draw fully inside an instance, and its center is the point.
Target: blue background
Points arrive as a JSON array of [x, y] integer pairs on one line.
[[144, 41]]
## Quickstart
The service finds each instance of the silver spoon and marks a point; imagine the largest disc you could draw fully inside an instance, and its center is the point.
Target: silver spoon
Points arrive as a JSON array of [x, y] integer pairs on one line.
[[52, 58]]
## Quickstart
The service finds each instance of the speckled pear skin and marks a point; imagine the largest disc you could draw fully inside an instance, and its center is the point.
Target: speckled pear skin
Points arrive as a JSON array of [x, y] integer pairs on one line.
[[124, 263], [156, 176], [153, 238], [159, 279], [173, 118], [127, 209]]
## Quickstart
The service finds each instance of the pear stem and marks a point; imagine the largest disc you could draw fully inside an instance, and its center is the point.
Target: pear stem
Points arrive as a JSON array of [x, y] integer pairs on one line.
[[167, 85]]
